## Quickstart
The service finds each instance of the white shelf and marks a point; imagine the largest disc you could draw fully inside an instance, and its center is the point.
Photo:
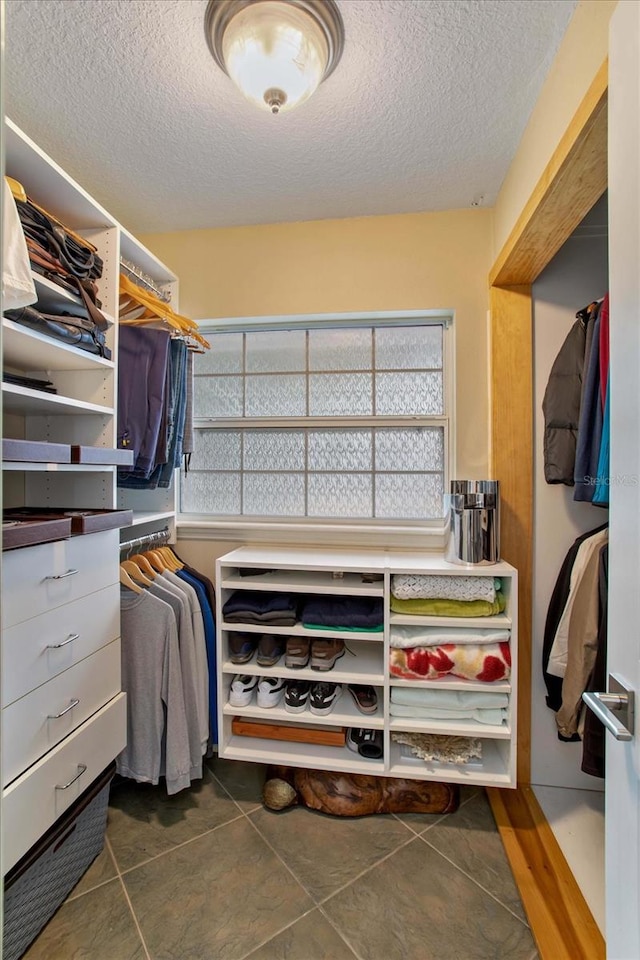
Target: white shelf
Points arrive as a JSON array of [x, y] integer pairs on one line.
[[140, 517], [344, 714], [306, 581], [287, 753], [299, 571], [299, 559], [136, 253], [23, 400], [455, 728], [366, 667], [500, 622], [35, 466], [29, 350], [492, 771], [297, 630], [52, 297]]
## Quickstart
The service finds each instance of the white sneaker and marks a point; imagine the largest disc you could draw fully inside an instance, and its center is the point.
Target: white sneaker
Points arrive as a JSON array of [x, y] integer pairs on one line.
[[271, 691], [241, 690]]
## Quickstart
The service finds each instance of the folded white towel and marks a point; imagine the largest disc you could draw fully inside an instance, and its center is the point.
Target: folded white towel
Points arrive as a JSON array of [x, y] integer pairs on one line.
[[495, 717], [448, 699], [435, 636]]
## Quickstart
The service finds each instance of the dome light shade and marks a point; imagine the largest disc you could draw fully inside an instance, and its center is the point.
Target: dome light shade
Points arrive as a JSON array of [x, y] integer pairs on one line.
[[277, 52]]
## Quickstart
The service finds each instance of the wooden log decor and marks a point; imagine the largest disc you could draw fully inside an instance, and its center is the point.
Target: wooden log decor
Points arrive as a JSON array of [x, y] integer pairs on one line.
[[355, 794]]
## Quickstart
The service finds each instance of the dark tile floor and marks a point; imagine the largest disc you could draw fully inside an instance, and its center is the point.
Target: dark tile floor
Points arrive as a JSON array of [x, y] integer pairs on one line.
[[212, 875]]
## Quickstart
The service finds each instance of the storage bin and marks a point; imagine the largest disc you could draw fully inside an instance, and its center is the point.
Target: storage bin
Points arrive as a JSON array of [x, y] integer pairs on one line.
[[41, 881]]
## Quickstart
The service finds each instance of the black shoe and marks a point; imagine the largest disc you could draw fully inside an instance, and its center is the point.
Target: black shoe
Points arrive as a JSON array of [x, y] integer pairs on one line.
[[323, 698], [368, 743], [296, 696]]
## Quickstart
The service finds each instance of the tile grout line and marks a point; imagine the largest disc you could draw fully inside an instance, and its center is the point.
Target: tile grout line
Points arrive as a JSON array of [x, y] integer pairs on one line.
[[477, 883], [102, 883], [435, 822], [135, 919], [287, 926], [368, 869], [316, 904]]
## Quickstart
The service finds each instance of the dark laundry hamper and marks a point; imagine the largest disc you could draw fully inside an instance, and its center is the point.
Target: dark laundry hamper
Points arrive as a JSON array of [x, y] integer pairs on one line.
[[40, 882]]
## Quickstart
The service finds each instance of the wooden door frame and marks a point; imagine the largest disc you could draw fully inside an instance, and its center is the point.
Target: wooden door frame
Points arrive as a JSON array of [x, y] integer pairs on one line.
[[574, 178]]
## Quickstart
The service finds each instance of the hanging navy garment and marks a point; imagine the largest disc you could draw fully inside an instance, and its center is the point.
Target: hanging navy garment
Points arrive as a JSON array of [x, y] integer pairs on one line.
[[142, 373], [210, 641], [590, 426]]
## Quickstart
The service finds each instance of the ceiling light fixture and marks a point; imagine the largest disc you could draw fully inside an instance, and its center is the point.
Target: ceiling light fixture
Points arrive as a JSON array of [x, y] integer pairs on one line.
[[276, 51]]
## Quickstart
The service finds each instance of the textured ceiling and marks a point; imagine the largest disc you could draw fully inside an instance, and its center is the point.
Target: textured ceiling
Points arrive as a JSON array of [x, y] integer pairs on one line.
[[424, 111]]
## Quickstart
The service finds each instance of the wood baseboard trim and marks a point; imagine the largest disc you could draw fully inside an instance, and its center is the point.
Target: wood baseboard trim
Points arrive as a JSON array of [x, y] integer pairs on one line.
[[560, 920]]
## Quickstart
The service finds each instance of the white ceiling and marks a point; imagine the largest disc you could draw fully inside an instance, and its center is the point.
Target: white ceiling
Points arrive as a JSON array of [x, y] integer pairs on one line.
[[424, 111]]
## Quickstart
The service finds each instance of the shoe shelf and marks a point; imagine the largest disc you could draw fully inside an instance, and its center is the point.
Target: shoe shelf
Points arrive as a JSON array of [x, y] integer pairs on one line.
[[300, 571], [344, 714], [366, 666]]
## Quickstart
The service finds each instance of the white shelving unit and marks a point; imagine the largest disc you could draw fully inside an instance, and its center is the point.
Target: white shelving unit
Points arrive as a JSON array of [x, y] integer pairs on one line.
[[310, 572], [69, 588]]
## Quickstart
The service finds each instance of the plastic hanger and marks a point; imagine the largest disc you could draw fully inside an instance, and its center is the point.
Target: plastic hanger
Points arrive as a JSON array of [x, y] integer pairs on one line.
[[135, 572], [126, 581]]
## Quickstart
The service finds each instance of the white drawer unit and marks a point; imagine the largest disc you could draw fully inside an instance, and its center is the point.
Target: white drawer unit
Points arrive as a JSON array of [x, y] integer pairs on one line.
[[33, 802], [38, 721], [39, 578], [38, 649], [303, 573]]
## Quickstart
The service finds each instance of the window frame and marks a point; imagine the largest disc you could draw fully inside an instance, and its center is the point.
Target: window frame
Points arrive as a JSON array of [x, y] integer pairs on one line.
[[367, 532]]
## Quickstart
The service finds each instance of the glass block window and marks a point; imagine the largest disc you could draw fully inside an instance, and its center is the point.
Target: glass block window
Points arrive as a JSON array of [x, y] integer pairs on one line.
[[324, 423]]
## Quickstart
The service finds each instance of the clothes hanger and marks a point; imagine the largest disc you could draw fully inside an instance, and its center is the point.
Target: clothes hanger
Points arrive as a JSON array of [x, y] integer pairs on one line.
[[169, 558], [144, 565], [126, 581], [155, 560], [135, 572]]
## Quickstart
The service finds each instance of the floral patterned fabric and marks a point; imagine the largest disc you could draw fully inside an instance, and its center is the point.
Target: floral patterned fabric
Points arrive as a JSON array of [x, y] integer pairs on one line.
[[485, 662]]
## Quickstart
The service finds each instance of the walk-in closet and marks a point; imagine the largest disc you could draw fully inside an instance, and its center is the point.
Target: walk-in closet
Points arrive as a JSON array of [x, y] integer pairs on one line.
[[320, 480]]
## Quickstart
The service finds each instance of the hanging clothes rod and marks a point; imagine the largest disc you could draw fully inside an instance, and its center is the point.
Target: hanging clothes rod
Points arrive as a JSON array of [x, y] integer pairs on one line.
[[158, 537], [145, 280]]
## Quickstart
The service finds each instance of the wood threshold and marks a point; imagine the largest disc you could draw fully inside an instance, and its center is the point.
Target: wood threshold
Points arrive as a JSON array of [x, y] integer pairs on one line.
[[561, 922]]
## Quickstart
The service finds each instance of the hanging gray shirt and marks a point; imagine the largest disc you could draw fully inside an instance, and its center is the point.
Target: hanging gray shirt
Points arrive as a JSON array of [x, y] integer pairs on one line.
[[152, 679]]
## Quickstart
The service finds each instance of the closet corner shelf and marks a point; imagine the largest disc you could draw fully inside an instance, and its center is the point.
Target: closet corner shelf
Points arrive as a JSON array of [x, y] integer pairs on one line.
[[291, 754], [344, 714], [452, 728], [492, 771], [29, 350], [23, 400], [298, 630], [414, 620], [453, 683], [44, 467], [305, 581], [365, 667]]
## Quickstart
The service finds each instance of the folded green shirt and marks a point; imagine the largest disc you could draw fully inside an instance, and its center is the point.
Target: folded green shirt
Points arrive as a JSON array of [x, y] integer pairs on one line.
[[450, 608]]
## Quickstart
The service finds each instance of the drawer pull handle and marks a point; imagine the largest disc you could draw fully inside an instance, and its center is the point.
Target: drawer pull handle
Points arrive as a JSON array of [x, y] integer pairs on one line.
[[65, 786], [56, 716], [61, 576], [56, 646]]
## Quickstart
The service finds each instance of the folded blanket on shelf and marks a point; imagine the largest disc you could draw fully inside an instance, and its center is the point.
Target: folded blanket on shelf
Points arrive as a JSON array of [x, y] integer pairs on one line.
[[495, 717], [354, 613], [449, 608], [448, 699], [485, 662], [258, 606], [436, 636], [408, 586], [434, 746]]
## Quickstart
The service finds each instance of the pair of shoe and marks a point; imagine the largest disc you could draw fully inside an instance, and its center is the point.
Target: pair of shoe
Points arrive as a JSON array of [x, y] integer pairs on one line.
[[319, 654], [368, 743], [320, 697], [242, 647], [270, 690]]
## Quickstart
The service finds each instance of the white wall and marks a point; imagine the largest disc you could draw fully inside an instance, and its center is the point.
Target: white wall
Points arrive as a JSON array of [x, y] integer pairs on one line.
[[577, 275]]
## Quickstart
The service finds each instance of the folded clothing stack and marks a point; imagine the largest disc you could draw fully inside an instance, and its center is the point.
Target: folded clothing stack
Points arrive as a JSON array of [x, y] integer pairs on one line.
[[485, 662], [258, 606], [407, 586], [433, 746], [442, 607], [449, 705], [343, 613]]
